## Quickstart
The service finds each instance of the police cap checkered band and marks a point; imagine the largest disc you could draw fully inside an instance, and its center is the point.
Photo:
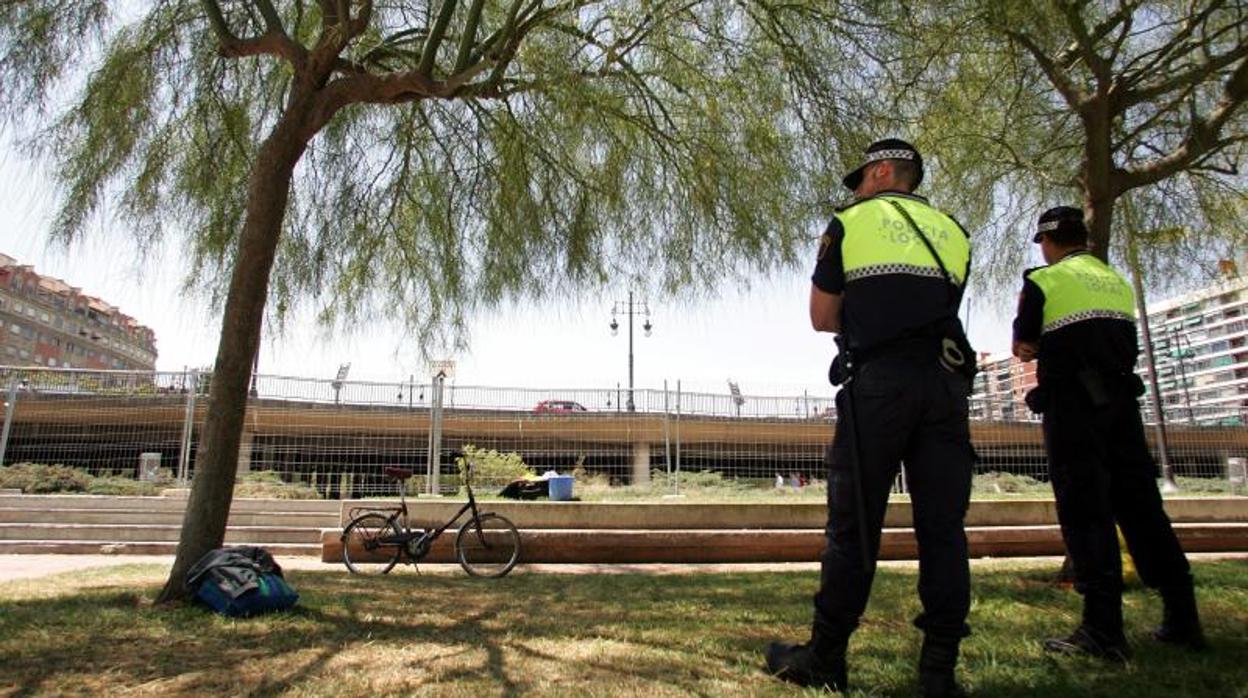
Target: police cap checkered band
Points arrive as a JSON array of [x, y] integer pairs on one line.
[[893, 154], [887, 149]]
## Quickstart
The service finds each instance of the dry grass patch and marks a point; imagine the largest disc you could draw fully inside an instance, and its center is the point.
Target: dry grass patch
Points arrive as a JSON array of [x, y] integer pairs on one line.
[[549, 634]]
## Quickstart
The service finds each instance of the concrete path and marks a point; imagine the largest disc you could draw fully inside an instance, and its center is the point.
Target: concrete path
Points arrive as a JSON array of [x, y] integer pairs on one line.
[[13, 567], [29, 566]]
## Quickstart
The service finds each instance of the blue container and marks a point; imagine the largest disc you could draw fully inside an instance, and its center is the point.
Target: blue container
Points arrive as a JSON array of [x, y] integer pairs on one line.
[[561, 488]]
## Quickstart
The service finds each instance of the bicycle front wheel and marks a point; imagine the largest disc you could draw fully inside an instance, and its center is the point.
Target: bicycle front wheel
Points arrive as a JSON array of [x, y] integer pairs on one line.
[[362, 549], [488, 546]]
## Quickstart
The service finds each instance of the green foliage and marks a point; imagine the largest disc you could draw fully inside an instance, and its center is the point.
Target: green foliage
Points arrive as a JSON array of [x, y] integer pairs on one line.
[[1009, 144], [672, 144], [1008, 483], [270, 485], [1189, 486], [704, 485], [38, 478], [707, 479], [675, 144], [128, 487], [490, 466]]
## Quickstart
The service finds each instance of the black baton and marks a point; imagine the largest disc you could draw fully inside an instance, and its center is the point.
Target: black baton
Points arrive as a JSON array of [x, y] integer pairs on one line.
[[855, 456]]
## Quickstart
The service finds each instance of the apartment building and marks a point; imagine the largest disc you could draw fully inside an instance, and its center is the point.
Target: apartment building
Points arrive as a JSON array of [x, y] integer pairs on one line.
[[1000, 386], [1200, 344], [47, 322]]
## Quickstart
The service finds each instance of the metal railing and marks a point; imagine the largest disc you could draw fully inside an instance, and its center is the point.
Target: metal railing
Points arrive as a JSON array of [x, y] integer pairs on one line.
[[338, 436]]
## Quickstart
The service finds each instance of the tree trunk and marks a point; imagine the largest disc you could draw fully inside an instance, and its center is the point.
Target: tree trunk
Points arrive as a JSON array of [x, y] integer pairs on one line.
[[1097, 177], [212, 490], [1098, 212]]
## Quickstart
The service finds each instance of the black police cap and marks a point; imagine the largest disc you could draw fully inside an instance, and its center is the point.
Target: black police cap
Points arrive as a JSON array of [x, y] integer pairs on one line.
[[887, 149], [1062, 223]]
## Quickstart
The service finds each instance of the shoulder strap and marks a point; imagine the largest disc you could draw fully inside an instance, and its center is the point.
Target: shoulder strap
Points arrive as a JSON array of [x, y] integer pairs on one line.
[[927, 243]]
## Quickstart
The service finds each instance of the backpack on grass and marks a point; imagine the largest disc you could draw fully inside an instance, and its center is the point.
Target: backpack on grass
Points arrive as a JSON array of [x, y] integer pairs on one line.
[[240, 581]]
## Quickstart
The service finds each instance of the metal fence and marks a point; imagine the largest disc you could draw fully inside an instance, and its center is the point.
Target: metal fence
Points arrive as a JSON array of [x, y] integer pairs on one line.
[[338, 436]]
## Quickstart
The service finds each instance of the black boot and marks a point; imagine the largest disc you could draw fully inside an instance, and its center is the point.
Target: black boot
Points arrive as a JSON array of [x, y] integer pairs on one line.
[[1180, 624], [937, 660], [1089, 643], [802, 665]]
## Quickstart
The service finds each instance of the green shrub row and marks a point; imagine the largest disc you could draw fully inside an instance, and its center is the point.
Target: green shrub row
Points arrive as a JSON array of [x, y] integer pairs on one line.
[[40, 478], [266, 484], [492, 467]]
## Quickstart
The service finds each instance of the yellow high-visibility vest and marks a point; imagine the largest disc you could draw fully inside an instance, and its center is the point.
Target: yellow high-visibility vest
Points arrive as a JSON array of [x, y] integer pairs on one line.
[[1081, 287], [878, 240]]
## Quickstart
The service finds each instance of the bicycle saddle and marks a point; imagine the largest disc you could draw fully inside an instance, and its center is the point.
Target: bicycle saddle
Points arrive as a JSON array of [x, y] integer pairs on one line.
[[397, 473]]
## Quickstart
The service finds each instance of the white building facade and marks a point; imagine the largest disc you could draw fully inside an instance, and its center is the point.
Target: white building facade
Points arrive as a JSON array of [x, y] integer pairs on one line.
[[1200, 342]]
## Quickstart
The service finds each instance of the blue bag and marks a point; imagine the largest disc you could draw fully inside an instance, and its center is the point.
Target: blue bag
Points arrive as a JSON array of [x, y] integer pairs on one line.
[[271, 593], [240, 581]]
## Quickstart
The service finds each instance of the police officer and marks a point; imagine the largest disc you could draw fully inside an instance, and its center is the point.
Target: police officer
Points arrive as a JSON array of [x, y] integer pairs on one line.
[[1077, 316], [881, 287]]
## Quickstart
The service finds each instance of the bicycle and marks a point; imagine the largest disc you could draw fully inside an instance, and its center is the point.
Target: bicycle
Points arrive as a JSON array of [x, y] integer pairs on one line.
[[487, 545]]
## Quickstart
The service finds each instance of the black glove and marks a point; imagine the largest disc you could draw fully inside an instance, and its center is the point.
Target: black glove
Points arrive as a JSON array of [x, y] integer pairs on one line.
[[1037, 400]]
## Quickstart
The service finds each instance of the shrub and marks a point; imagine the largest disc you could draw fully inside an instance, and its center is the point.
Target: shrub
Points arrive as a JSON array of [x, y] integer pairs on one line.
[[126, 487], [1204, 485], [710, 482], [37, 478], [490, 466], [267, 484], [593, 486], [1008, 483]]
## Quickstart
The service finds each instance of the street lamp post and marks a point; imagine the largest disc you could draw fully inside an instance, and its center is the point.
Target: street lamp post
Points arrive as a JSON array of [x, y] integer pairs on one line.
[[337, 382], [630, 308], [255, 371], [1169, 484], [1179, 353]]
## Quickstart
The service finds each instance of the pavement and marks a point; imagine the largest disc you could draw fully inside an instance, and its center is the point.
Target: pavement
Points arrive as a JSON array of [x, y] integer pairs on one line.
[[15, 567], [31, 566]]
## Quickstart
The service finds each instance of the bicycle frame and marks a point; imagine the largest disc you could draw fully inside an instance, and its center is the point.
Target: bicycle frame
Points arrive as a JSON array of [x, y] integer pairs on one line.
[[427, 537]]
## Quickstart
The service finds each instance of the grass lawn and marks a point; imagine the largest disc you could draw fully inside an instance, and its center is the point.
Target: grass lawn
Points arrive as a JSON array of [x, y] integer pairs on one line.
[[602, 635]]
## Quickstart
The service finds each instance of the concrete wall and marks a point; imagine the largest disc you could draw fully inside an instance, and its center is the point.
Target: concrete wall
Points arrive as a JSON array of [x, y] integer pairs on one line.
[[698, 515]]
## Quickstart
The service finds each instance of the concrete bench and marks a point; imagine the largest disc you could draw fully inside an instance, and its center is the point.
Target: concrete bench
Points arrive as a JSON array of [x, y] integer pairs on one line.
[[587, 532]]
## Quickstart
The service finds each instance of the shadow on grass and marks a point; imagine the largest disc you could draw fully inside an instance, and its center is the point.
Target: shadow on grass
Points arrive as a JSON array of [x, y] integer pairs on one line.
[[610, 635]]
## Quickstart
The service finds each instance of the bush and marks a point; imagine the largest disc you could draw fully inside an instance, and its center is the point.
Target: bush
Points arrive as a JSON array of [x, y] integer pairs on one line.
[[710, 482], [1008, 483], [37, 478], [490, 466], [1204, 485], [267, 484], [125, 487]]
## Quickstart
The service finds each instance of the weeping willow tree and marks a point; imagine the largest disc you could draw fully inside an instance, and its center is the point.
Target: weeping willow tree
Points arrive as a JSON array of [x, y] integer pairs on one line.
[[422, 160], [1031, 105]]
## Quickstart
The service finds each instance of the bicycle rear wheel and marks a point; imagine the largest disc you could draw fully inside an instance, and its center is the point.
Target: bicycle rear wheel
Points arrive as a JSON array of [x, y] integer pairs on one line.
[[488, 546], [362, 550]]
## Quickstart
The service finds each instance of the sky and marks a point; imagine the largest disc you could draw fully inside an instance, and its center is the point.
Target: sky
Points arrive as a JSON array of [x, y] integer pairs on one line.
[[758, 337]]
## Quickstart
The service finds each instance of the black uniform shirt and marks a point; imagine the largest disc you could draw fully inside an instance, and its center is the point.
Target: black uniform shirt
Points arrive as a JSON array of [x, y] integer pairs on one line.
[[877, 309], [1104, 344]]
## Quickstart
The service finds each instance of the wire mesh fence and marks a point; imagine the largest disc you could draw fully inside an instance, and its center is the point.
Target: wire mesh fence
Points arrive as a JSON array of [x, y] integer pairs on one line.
[[336, 437]]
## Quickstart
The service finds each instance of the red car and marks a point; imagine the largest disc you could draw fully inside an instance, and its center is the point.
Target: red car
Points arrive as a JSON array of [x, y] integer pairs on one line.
[[549, 406]]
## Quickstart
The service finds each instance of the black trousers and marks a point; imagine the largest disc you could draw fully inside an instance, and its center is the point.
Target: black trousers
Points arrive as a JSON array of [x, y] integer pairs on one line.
[[907, 409], [1103, 474]]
